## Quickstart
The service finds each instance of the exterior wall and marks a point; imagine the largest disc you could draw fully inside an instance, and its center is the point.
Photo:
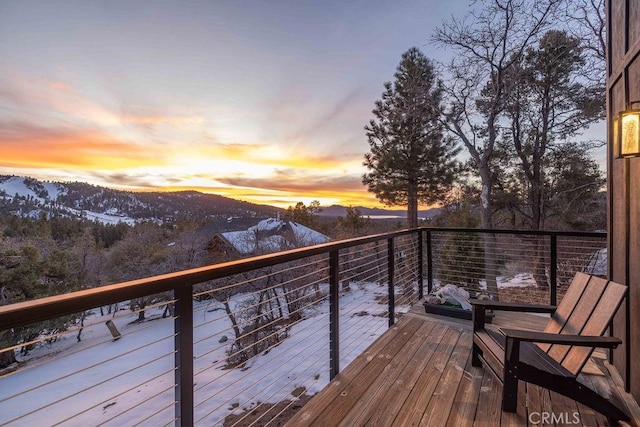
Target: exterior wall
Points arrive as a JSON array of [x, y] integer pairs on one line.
[[623, 86]]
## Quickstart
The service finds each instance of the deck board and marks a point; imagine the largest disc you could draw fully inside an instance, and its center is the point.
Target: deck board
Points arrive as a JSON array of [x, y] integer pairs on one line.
[[465, 402], [419, 397], [444, 394], [376, 397], [387, 410], [419, 373]]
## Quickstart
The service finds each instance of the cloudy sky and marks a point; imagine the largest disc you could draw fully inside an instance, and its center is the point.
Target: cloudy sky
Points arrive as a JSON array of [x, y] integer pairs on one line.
[[263, 101]]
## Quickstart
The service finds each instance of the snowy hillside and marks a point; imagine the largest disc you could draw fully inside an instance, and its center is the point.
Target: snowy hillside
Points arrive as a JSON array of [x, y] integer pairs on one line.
[[30, 197]]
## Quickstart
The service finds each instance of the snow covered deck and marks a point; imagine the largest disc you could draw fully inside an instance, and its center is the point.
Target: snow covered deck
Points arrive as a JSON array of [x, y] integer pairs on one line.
[[419, 373]]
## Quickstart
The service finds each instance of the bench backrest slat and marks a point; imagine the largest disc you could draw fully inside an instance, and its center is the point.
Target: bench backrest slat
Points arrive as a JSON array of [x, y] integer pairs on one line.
[[566, 306], [597, 325], [580, 315]]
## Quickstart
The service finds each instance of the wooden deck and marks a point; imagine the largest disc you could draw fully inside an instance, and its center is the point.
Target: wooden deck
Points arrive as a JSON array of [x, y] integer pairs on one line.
[[419, 373]]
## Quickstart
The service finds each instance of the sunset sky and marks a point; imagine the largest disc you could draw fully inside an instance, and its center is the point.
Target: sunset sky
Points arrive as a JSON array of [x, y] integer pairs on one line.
[[263, 101]]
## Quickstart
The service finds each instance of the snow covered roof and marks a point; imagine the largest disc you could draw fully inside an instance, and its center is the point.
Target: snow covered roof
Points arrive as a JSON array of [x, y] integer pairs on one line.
[[272, 235]]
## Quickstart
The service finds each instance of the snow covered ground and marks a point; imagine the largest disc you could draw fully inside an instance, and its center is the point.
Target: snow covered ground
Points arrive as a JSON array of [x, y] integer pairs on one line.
[[130, 381]]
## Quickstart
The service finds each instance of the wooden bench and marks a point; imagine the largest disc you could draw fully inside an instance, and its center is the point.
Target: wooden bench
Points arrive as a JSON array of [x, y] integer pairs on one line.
[[552, 359]]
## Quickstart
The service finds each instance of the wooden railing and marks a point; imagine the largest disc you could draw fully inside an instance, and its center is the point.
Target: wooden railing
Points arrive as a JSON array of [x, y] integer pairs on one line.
[[398, 262]]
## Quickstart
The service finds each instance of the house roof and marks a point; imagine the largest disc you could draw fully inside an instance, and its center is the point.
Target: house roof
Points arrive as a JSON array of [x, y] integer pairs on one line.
[[272, 235]]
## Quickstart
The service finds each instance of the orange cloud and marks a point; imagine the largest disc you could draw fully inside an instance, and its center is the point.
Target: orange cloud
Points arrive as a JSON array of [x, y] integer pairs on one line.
[[274, 156], [291, 186], [326, 198], [25, 145], [285, 199]]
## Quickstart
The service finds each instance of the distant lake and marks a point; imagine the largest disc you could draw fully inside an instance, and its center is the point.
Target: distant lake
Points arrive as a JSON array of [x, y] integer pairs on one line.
[[386, 216], [390, 217]]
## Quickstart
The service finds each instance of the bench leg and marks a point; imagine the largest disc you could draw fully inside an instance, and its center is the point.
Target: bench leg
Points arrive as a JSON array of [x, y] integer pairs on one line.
[[509, 392], [475, 356]]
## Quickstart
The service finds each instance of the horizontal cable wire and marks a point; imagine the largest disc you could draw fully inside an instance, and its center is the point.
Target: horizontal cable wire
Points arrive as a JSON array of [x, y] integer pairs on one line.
[[92, 386], [250, 333], [272, 299], [148, 399], [292, 324], [170, 405], [353, 271], [60, 335], [280, 286], [121, 394], [235, 354], [276, 286], [292, 402], [311, 333], [348, 348], [276, 379], [237, 285], [355, 328], [95, 365]]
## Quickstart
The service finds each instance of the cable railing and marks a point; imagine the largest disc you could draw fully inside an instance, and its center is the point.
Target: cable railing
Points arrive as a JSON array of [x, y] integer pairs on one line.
[[248, 341], [512, 265]]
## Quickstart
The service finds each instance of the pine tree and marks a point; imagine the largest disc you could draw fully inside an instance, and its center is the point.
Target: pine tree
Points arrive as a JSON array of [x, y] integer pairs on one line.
[[411, 161]]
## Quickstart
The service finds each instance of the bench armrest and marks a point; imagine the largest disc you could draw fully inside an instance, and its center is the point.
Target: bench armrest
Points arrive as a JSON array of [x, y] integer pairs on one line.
[[513, 306], [565, 339], [480, 307]]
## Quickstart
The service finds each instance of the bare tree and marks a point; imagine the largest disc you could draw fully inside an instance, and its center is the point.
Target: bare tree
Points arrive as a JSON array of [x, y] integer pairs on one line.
[[487, 43], [553, 102], [586, 20]]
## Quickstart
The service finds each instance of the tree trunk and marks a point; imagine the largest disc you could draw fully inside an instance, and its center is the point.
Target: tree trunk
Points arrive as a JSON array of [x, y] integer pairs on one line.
[[539, 262], [278, 303], [232, 318], [79, 336], [488, 239], [412, 207]]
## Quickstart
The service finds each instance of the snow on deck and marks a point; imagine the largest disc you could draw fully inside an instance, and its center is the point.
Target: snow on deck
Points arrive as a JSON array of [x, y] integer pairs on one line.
[[103, 381]]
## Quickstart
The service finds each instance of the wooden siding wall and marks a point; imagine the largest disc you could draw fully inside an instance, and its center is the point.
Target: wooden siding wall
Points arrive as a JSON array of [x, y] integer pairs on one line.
[[623, 87]]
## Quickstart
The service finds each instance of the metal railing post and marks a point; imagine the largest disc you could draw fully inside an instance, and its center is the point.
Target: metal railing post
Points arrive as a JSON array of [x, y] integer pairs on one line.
[[391, 271], [334, 315], [553, 270], [183, 357], [420, 266], [429, 262]]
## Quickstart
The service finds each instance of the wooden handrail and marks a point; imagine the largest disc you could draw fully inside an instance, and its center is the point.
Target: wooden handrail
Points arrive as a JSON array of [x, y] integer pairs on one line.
[[27, 312]]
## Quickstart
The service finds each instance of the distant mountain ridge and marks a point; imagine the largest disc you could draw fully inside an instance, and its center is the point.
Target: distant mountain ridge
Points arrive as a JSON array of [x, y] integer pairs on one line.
[[337, 210], [31, 197]]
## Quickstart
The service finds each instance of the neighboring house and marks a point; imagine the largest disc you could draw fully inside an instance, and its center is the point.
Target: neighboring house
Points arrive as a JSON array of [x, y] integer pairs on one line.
[[269, 235]]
